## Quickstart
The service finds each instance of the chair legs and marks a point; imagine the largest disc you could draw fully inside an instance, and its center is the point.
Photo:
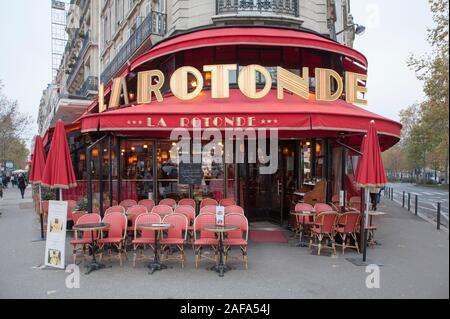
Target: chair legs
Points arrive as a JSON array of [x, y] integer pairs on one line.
[[244, 257], [319, 238]]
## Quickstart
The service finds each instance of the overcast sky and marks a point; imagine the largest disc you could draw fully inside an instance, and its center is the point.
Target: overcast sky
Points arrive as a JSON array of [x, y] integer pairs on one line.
[[394, 29]]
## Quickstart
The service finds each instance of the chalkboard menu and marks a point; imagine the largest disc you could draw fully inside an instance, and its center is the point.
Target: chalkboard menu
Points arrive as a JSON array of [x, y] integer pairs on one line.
[[190, 173]]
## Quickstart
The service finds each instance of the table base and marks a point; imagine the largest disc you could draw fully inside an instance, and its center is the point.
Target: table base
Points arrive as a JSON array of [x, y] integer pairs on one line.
[[221, 269], [154, 266], [93, 266]]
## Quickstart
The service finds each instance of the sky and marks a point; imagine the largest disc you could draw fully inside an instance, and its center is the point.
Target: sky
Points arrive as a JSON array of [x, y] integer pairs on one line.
[[394, 30]]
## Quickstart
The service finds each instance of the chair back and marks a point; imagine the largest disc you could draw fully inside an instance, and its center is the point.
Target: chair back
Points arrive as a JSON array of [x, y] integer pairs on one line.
[[147, 218], [134, 211], [162, 210], [234, 209], [187, 201], [187, 211], [127, 203], [168, 201], [117, 224], [227, 202], [199, 223], [304, 207], [208, 209], [355, 202], [115, 209], [76, 215], [88, 219], [208, 202], [71, 206], [327, 221], [148, 203], [239, 220], [321, 207], [350, 221], [179, 227]]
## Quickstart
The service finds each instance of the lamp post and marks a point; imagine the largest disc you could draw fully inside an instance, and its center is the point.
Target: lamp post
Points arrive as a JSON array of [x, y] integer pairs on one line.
[[358, 30]]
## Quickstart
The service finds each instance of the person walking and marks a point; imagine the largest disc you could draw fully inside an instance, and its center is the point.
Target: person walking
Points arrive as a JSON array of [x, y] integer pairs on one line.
[[21, 183]]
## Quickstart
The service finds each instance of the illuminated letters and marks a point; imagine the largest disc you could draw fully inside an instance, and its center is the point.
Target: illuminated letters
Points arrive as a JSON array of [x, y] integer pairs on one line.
[[323, 85], [298, 85], [119, 87], [179, 83], [352, 88], [145, 87], [220, 79], [247, 81]]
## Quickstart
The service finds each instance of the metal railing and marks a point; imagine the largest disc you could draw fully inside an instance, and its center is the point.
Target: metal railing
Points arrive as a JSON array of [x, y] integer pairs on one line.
[[89, 85], [284, 7], [80, 59], [155, 24]]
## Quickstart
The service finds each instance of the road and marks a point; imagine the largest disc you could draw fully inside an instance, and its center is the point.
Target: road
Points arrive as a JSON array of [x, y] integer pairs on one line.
[[428, 197]]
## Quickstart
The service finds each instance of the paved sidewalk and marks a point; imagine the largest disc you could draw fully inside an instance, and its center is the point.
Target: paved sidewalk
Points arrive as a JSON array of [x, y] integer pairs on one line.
[[414, 255]]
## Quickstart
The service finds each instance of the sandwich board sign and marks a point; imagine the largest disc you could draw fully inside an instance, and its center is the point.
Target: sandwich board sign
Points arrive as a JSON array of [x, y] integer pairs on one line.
[[55, 245]]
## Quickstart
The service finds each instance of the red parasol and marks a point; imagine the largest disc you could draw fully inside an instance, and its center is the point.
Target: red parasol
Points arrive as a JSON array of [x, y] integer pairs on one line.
[[58, 172], [370, 172], [37, 162]]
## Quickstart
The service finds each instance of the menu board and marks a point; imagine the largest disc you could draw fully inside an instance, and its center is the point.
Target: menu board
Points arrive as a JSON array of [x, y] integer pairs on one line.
[[220, 215], [56, 234], [190, 173]]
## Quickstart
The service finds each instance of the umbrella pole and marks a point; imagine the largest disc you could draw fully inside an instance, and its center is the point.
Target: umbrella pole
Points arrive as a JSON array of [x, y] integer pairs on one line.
[[366, 220], [41, 213], [60, 194]]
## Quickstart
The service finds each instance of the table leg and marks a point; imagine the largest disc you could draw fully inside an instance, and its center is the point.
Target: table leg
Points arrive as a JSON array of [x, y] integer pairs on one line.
[[156, 264], [93, 265], [221, 268]]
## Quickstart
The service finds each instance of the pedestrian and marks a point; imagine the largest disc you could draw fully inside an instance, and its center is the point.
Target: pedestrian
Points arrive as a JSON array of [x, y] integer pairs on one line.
[[21, 184], [13, 180], [5, 181]]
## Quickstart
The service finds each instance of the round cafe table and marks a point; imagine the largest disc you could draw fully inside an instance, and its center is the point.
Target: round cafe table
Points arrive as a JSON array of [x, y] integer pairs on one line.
[[221, 268], [372, 229], [157, 228], [301, 242], [92, 227]]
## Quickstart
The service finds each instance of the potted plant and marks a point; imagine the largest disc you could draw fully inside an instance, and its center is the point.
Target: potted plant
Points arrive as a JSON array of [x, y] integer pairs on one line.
[[82, 204]]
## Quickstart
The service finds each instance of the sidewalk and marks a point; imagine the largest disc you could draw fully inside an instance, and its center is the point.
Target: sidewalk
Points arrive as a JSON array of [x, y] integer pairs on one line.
[[414, 255]]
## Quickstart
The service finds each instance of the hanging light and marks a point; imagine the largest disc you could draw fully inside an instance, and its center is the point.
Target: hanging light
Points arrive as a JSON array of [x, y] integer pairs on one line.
[[318, 148]]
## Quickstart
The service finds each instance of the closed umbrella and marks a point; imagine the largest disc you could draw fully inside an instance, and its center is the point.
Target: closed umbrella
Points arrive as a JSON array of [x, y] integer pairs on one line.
[[58, 172], [36, 173], [370, 171]]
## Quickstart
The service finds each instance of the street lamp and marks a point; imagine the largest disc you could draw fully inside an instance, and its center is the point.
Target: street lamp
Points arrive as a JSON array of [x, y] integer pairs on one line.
[[359, 29]]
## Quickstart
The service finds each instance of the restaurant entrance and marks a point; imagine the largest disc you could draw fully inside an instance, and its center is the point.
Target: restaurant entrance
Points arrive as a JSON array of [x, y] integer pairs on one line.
[[269, 196]]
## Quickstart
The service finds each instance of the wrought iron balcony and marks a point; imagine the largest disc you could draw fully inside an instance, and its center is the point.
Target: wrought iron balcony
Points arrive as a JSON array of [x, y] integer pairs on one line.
[[89, 85], [153, 24], [281, 7], [79, 59]]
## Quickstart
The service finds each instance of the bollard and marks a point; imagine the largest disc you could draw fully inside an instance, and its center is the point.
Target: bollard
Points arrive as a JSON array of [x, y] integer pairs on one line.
[[438, 215], [403, 200], [392, 193], [409, 202], [416, 201]]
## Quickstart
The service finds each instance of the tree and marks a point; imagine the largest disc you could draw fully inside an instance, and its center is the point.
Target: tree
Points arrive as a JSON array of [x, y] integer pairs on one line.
[[13, 131], [426, 136]]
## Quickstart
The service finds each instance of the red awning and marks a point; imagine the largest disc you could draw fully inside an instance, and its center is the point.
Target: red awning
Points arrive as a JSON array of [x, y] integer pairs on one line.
[[294, 116], [71, 127]]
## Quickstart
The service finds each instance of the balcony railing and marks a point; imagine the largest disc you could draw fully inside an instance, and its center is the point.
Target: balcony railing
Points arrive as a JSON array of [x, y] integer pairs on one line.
[[89, 85], [79, 59], [283, 7], [155, 23]]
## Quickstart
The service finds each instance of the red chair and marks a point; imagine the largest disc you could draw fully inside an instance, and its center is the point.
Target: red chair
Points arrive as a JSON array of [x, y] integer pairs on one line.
[[115, 209], [234, 209], [176, 236], [237, 238], [347, 226], [76, 216], [147, 237], [71, 206], [162, 210], [168, 201], [127, 203], [323, 228], [189, 212], [208, 209], [208, 202], [148, 203], [335, 201], [354, 203], [304, 223], [321, 207], [203, 238], [188, 201], [116, 234], [86, 239], [132, 213], [227, 202]]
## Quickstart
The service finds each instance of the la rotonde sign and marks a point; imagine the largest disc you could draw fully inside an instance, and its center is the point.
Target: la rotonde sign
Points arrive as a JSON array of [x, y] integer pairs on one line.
[[329, 85]]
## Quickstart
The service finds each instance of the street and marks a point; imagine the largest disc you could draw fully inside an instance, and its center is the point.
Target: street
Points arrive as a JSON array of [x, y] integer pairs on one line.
[[428, 197]]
